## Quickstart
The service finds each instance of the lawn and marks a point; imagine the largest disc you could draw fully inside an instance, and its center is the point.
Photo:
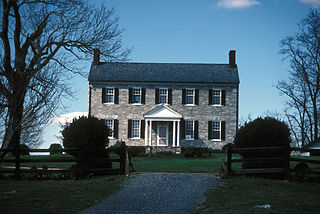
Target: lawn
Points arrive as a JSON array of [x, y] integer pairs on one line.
[[55, 196], [241, 194], [178, 164]]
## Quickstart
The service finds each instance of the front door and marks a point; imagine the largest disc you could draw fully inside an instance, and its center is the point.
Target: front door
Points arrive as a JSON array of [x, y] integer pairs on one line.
[[162, 135]]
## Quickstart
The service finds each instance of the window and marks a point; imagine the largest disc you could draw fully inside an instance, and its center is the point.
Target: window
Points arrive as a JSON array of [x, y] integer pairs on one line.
[[190, 96], [109, 95], [216, 130], [136, 95], [163, 96], [216, 97], [110, 125], [189, 132], [135, 129]]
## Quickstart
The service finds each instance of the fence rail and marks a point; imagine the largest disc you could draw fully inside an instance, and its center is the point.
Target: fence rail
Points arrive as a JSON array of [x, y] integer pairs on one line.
[[83, 158], [283, 159]]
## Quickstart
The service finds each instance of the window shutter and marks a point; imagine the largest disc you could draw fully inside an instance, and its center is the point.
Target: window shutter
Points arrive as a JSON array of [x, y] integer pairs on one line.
[[143, 96], [183, 96], [129, 128], [116, 95], [103, 95], [170, 96], [223, 130], [130, 95], [196, 128], [157, 96], [210, 130], [142, 127], [210, 96], [197, 97], [182, 129], [115, 128], [223, 98]]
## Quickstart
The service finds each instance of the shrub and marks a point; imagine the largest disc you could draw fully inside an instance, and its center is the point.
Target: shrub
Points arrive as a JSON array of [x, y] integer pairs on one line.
[[135, 151], [267, 132], [24, 149], [91, 136], [196, 152], [53, 147]]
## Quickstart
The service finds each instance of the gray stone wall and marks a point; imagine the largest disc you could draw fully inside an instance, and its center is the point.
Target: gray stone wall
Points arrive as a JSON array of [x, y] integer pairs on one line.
[[202, 112]]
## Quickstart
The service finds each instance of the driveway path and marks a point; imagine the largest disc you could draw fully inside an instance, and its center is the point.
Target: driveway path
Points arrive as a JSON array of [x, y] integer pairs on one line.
[[166, 193]]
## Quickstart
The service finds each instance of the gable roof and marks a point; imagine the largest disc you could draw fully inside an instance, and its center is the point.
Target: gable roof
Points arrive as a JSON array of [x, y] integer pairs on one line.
[[162, 111], [163, 72]]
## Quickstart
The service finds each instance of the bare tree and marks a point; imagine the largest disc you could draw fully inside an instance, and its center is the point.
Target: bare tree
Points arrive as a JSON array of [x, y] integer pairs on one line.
[[302, 49], [42, 43]]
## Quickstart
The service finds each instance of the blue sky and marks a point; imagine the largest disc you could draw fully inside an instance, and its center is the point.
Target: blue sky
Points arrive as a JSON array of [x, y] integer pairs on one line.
[[203, 31]]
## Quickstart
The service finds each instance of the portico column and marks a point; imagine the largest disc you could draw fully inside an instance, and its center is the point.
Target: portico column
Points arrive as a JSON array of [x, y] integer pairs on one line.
[[146, 133], [178, 134], [174, 134], [150, 133]]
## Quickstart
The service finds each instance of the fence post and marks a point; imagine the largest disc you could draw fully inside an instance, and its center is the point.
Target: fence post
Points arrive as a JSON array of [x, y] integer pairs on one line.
[[229, 152], [287, 152], [17, 160], [122, 158]]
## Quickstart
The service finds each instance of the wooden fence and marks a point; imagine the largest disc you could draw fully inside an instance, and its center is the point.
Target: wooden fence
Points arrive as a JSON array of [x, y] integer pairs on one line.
[[123, 160], [283, 157]]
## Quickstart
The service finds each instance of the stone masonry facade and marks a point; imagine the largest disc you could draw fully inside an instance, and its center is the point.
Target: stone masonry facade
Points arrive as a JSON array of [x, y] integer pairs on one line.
[[203, 112]]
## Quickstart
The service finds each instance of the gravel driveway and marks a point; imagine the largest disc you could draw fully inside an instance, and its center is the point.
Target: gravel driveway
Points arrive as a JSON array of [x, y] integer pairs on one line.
[[157, 193]]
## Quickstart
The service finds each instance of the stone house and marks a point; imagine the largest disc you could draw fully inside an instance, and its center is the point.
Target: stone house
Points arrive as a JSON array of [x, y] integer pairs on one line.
[[166, 105]]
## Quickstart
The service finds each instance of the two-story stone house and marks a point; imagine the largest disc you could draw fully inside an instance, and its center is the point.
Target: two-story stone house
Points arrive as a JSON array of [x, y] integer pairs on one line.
[[166, 104]]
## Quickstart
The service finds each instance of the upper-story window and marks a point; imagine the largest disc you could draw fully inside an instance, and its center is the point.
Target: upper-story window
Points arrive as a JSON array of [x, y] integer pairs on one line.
[[217, 97], [190, 96], [109, 95], [163, 96], [136, 95]]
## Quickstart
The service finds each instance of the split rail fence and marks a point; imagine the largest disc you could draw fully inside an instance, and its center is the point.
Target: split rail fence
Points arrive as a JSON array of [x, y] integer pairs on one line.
[[123, 160], [240, 155]]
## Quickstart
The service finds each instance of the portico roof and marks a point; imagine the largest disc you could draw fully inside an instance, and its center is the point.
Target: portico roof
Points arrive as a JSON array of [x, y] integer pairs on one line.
[[162, 112]]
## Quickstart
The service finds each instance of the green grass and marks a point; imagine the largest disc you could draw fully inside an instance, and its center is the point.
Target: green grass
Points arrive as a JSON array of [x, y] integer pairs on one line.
[[55, 196], [178, 164], [240, 195]]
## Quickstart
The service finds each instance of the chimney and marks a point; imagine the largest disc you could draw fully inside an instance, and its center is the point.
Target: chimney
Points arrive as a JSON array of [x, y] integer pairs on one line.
[[232, 59], [96, 56]]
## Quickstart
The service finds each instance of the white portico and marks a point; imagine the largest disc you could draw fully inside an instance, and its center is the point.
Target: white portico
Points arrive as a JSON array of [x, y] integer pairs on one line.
[[161, 117]]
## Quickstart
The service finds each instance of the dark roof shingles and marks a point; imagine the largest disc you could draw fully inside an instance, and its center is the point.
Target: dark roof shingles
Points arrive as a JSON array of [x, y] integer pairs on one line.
[[164, 72]]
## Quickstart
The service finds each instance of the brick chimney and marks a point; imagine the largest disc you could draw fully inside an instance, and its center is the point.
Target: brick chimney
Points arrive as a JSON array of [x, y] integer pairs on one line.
[[232, 59], [96, 56]]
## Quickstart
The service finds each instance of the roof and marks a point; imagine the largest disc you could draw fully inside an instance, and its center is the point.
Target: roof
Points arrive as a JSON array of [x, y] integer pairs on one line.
[[163, 72]]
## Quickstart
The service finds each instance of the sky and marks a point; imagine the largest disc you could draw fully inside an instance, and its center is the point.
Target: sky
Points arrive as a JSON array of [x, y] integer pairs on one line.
[[203, 31]]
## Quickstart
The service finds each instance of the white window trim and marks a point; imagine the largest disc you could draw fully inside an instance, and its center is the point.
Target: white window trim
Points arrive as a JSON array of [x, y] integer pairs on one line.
[[194, 96], [185, 130], [140, 103], [167, 96], [106, 89], [216, 140], [132, 130], [105, 123], [217, 89]]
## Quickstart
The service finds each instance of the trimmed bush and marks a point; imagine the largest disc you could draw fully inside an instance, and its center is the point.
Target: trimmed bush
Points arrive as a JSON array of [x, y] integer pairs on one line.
[[53, 147], [91, 136], [267, 132], [134, 151], [264, 132]]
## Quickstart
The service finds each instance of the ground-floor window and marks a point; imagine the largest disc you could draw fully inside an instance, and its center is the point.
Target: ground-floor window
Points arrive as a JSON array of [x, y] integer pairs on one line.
[[189, 132]]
